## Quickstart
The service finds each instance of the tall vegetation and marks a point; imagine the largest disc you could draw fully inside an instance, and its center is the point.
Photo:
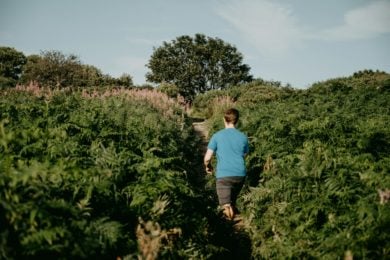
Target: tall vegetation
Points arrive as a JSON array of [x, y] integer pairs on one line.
[[319, 184], [113, 172], [100, 174]]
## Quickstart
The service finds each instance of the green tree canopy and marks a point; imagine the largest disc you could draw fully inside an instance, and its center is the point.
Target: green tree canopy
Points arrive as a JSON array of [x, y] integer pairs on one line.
[[53, 69], [11, 64], [125, 80], [196, 65], [90, 76], [170, 89]]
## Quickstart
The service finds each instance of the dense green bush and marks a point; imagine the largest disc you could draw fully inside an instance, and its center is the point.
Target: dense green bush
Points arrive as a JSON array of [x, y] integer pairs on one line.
[[318, 168], [107, 173], [249, 94], [100, 175]]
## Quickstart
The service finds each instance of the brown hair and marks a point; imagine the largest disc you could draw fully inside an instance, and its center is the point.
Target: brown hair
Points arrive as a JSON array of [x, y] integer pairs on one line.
[[231, 115]]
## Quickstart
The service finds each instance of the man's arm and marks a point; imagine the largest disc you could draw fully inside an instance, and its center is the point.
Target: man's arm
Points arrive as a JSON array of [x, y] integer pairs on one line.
[[207, 160]]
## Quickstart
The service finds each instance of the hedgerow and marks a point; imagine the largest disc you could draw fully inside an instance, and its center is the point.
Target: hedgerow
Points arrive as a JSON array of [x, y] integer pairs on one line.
[[318, 171], [100, 174], [115, 173]]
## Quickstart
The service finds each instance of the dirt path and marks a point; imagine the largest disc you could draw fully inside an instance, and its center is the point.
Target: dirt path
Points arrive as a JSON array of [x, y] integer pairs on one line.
[[202, 131]]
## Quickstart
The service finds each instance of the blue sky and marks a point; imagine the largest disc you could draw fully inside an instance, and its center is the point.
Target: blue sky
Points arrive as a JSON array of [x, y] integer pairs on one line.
[[299, 42]]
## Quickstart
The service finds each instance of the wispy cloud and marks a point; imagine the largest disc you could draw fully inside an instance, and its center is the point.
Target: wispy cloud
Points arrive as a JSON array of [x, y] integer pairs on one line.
[[274, 29], [361, 23], [271, 27]]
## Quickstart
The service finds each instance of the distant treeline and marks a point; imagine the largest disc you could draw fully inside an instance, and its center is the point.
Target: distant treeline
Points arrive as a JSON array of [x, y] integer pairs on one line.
[[186, 66], [53, 69]]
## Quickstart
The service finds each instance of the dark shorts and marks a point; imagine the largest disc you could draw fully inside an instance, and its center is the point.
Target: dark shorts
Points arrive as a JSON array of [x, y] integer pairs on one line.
[[228, 189]]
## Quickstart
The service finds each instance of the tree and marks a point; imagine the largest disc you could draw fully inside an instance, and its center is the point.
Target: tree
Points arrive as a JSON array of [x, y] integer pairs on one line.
[[125, 80], [90, 76], [53, 69], [196, 65], [169, 89], [11, 63]]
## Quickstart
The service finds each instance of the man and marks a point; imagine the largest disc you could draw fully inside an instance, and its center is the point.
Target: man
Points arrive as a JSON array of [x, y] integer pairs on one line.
[[230, 146]]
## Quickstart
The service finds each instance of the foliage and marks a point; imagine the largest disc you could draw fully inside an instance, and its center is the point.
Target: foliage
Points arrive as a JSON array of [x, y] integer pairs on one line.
[[196, 65], [125, 80], [248, 93], [318, 183], [169, 89], [114, 172], [53, 69], [100, 174], [11, 63]]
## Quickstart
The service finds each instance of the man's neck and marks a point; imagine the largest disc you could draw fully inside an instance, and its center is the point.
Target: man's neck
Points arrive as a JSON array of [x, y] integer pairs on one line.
[[227, 125]]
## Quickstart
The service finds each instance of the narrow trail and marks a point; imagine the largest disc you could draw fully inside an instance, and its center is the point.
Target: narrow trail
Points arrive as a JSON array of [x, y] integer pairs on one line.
[[242, 245], [202, 131]]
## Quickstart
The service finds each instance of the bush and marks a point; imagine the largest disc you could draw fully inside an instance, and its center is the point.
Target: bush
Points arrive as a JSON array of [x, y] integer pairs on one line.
[[317, 168], [100, 175]]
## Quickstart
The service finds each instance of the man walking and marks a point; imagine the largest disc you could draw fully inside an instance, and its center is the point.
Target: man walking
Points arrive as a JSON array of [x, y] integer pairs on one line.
[[230, 146]]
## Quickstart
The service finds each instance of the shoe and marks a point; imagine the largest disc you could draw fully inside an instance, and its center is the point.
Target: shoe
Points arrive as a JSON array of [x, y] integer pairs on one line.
[[228, 211]]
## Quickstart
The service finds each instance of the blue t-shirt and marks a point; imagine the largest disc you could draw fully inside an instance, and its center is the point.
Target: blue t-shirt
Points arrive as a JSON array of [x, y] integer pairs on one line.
[[230, 146]]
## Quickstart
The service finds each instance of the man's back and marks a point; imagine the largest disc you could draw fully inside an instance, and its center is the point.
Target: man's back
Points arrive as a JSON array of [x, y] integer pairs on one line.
[[230, 146]]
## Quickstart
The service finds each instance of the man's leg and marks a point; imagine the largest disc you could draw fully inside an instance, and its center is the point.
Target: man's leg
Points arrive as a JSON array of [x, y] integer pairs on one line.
[[227, 190], [224, 189], [237, 183]]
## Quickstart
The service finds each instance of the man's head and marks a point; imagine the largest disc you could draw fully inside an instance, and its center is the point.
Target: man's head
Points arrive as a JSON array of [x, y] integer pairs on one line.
[[231, 116]]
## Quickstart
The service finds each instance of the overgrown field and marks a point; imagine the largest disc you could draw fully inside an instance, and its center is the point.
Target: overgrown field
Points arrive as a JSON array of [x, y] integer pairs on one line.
[[107, 174], [101, 174], [319, 166]]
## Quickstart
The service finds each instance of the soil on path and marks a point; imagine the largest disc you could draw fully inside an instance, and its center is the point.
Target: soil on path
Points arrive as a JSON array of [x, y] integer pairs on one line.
[[201, 130]]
